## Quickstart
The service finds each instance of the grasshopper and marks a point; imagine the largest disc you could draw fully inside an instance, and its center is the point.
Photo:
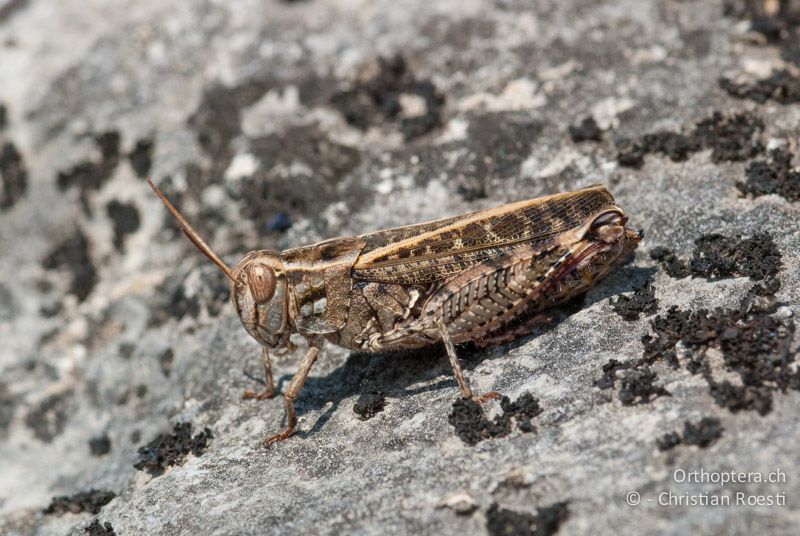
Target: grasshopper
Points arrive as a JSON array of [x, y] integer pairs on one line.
[[484, 277]]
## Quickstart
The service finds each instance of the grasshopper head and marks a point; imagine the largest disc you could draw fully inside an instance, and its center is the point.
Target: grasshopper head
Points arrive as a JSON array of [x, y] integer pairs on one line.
[[608, 227], [258, 285], [600, 243], [258, 292]]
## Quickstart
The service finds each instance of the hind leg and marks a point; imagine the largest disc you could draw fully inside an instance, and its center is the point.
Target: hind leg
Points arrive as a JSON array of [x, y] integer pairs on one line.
[[466, 392]]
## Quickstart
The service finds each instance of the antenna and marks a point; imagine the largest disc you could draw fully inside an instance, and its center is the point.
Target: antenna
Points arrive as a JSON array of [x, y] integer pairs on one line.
[[191, 234]]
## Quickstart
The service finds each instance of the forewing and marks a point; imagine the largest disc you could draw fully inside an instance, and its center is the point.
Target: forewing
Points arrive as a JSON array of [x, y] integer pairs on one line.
[[425, 253]]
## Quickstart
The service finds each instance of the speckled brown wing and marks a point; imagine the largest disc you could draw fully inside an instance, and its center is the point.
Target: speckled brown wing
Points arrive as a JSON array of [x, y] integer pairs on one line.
[[435, 251]]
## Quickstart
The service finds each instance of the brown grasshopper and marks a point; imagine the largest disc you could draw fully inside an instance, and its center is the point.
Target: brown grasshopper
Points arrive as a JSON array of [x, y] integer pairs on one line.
[[482, 277]]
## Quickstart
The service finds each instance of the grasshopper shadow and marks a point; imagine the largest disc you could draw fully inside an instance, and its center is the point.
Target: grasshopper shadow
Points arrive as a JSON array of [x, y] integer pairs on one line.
[[396, 373]]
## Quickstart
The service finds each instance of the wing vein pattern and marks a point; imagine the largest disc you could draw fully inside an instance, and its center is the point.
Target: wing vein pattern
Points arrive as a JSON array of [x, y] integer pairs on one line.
[[429, 252]]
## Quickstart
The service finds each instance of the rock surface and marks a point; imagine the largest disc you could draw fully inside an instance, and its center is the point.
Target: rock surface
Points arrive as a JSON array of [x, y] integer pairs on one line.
[[274, 124]]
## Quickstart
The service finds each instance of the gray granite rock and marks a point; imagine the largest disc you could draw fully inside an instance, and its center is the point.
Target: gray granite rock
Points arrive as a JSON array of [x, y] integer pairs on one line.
[[276, 124]]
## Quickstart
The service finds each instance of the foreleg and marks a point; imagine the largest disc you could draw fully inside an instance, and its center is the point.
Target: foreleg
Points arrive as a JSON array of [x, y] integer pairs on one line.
[[269, 389], [292, 391]]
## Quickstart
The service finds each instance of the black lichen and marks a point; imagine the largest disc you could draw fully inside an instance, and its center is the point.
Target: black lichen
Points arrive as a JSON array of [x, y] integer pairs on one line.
[[176, 301], [73, 255], [272, 189], [630, 153], [170, 449], [496, 146], [13, 176], [499, 144], [100, 445], [165, 360], [472, 425], [549, 518], [586, 130], [781, 86], [125, 217], [379, 97], [369, 404], [108, 143], [777, 26], [92, 174], [546, 521], [8, 9], [766, 287], [96, 529], [637, 386], [49, 418], [126, 350], [758, 347], [729, 137], [754, 344], [668, 441], [695, 328], [670, 263], [610, 369], [84, 501], [674, 145], [502, 522], [702, 433], [141, 157], [642, 301], [523, 409], [7, 409], [773, 176], [717, 256], [737, 398], [217, 120]]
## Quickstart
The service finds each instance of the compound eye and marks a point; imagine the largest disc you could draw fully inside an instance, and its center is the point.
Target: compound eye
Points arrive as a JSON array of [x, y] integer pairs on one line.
[[613, 217], [608, 227], [261, 280]]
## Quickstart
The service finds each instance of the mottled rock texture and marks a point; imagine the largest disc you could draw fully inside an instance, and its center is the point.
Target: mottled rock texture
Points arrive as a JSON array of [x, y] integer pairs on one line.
[[274, 124]]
